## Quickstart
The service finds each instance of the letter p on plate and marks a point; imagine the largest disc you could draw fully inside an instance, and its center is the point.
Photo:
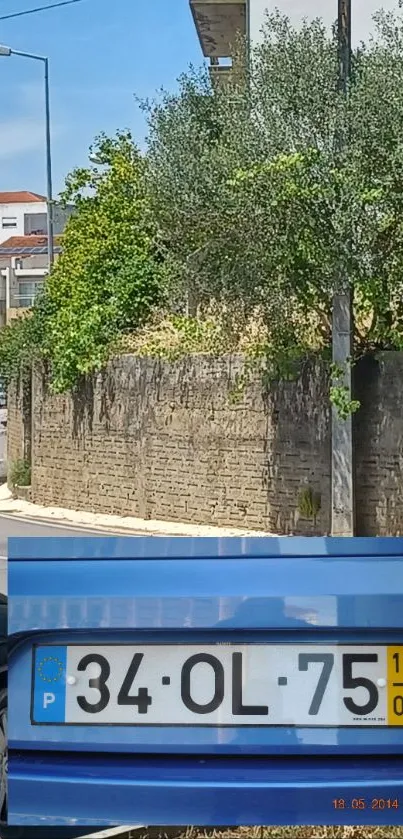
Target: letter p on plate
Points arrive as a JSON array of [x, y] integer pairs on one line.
[[48, 699]]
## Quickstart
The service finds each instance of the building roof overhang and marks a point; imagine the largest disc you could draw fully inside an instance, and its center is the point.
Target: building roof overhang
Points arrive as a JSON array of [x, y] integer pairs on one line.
[[218, 24]]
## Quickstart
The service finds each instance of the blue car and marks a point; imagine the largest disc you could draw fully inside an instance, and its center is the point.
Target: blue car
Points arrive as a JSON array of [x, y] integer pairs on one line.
[[203, 681], [7, 832]]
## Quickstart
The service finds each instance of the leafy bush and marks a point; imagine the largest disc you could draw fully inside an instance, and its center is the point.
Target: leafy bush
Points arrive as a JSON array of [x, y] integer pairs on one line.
[[309, 503], [20, 473], [108, 278]]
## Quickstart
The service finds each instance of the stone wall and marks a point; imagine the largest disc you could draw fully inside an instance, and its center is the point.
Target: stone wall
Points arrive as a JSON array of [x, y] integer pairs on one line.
[[378, 437], [164, 441], [19, 425]]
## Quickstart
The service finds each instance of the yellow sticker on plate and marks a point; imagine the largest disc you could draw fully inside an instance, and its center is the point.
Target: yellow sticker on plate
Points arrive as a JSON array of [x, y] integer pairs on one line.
[[395, 685]]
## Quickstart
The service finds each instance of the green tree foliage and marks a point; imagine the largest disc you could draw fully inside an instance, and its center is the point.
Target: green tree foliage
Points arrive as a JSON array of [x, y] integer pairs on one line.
[[185, 131], [22, 341], [108, 278], [294, 189], [253, 201]]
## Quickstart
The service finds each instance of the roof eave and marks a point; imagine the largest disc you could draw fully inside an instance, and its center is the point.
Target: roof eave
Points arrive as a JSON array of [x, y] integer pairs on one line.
[[218, 23]]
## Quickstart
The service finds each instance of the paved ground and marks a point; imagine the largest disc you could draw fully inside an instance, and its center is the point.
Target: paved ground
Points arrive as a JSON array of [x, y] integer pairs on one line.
[[3, 442], [113, 523]]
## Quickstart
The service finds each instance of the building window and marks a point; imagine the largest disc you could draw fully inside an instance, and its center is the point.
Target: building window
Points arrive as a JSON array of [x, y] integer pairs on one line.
[[35, 223], [9, 222], [27, 291]]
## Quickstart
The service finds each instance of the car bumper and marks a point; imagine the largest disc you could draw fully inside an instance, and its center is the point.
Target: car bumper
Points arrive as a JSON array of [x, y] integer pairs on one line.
[[63, 789]]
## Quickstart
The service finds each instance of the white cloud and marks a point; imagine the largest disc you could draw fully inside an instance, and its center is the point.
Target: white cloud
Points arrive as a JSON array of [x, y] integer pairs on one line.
[[362, 11]]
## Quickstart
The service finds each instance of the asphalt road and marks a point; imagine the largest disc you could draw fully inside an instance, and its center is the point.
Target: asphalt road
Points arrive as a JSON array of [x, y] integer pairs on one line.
[[12, 526]]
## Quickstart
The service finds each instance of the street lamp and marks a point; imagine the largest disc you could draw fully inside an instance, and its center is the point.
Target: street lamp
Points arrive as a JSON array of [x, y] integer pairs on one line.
[[7, 51], [93, 158]]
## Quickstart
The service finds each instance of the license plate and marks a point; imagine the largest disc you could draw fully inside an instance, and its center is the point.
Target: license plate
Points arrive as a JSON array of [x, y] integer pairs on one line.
[[218, 685]]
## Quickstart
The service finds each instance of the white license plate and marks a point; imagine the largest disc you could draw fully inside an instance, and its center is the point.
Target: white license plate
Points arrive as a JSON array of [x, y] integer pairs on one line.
[[218, 685]]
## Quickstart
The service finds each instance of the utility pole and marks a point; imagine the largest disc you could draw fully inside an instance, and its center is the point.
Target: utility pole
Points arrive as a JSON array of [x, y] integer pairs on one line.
[[50, 219], [342, 501]]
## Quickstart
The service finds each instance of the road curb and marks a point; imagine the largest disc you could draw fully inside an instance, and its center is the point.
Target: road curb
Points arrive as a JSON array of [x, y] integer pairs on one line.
[[116, 832], [159, 530]]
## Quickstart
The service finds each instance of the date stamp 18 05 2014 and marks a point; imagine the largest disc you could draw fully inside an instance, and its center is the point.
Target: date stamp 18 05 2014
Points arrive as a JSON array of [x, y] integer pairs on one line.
[[366, 804]]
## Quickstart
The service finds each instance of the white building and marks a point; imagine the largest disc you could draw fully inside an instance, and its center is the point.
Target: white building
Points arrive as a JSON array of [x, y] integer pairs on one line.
[[22, 214], [361, 13], [23, 268], [218, 21], [24, 248], [25, 214]]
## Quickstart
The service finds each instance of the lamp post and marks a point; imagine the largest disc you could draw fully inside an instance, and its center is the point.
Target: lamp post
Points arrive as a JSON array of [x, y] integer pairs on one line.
[[7, 51], [343, 502]]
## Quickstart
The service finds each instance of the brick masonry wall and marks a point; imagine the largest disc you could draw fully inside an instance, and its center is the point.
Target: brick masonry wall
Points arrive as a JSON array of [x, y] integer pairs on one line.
[[378, 435], [159, 440], [163, 441], [15, 430]]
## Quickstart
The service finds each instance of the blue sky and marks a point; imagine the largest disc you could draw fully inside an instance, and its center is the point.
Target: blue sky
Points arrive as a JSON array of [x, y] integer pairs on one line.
[[100, 53]]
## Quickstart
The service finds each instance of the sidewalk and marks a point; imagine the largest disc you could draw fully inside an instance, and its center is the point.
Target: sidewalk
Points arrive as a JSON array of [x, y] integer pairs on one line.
[[3, 444], [118, 524]]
